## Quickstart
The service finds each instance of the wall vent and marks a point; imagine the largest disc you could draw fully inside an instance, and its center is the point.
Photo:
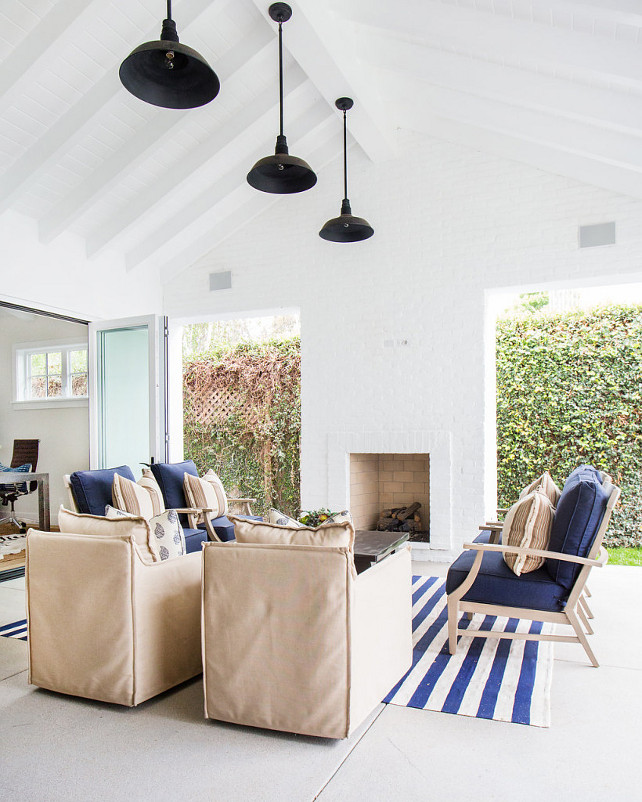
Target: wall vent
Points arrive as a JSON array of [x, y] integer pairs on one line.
[[221, 281], [599, 234]]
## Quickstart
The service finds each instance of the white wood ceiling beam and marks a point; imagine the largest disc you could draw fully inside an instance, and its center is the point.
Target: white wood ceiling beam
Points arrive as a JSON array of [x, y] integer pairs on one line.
[[608, 147], [211, 150], [316, 40], [41, 45], [238, 63], [519, 87], [498, 38], [625, 12], [197, 215], [537, 155], [244, 207], [69, 128]]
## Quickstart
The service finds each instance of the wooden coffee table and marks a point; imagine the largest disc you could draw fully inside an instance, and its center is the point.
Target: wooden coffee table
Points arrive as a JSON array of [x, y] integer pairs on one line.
[[371, 547]]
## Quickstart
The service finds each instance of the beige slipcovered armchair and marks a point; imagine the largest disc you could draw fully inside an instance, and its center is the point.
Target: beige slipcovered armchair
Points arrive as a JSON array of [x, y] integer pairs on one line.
[[294, 640], [105, 622]]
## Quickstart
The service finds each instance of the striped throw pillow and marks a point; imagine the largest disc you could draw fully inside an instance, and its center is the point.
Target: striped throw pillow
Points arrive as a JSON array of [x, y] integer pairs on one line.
[[206, 491], [544, 484], [528, 524], [143, 498]]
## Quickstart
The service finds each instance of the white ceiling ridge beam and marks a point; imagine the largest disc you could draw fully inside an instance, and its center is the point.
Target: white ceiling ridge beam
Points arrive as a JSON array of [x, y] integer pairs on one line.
[[69, 127], [608, 147], [211, 150], [199, 209], [313, 36], [42, 44], [254, 205], [520, 87], [541, 157], [500, 38], [232, 68], [625, 12]]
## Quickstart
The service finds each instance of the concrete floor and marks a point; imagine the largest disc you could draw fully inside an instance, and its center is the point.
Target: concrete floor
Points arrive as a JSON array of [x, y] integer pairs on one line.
[[54, 747]]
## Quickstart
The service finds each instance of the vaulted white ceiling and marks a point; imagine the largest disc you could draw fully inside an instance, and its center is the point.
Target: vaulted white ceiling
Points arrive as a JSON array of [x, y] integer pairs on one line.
[[553, 83]]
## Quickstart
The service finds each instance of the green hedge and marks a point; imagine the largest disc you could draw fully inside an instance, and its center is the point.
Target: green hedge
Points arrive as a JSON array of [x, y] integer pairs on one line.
[[569, 391], [260, 459]]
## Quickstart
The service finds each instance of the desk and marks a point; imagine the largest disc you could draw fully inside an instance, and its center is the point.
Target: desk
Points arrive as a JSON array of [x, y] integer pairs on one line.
[[15, 477]]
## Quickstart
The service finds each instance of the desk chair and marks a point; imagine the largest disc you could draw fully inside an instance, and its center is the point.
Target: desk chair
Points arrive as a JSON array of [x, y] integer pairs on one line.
[[25, 452]]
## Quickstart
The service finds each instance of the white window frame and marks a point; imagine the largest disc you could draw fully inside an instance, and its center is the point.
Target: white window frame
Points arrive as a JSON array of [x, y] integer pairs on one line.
[[21, 374]]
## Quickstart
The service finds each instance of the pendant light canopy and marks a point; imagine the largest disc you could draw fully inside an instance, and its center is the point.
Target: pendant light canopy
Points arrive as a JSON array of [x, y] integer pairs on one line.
[[346, 227], [168, 74], [281, 174]]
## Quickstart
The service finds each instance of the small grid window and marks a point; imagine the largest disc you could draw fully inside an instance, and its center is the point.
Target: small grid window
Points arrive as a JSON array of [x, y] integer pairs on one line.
[[51, 373]]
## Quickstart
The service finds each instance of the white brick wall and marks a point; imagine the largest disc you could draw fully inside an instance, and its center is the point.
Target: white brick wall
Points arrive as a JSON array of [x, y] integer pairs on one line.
[[450, 225]]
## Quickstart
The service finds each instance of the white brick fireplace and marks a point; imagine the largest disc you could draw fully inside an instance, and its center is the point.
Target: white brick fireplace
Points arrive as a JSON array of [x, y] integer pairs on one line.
[[436, 444]]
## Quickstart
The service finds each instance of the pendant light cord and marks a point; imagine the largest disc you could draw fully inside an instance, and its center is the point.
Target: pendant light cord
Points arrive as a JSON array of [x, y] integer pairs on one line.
[[280, 79], [345, 156], [169, 9]]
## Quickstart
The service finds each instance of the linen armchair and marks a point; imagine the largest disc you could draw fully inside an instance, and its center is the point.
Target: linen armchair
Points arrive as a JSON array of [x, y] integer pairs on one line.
[[294, 640], [104, 623], [479, 581]]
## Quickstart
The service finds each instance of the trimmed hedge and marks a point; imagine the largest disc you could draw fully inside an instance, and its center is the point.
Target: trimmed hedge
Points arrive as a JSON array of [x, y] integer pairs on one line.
[[569, 390]]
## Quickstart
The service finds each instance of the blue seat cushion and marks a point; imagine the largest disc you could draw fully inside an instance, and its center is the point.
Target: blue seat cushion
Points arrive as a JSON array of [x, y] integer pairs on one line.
[[169, 476], [484, 537], [497, 584], [579, 513], [193, 539], [224, 528], [92, 489]]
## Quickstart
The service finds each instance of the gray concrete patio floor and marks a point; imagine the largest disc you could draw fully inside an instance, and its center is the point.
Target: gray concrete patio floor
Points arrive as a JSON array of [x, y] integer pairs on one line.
[[54, 747]]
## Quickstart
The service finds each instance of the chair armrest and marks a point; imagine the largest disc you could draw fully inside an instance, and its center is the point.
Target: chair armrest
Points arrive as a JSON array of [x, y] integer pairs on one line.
[[502, 510], [192, 510], [551, 555], [242, 500], [492, 527]]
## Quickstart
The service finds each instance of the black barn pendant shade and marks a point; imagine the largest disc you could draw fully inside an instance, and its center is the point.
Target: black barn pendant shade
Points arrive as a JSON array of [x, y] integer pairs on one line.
[[346, 227], [168, 74], [281, 174]]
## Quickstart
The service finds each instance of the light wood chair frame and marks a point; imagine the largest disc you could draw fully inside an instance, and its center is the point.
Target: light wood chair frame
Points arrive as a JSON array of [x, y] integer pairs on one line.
[[575, 611]]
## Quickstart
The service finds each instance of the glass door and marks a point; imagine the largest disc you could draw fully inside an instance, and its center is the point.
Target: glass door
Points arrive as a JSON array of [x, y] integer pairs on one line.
[[127, 392]]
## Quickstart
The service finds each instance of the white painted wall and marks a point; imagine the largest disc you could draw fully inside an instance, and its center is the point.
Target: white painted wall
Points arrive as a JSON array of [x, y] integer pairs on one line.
[[59, 277], [63, 432], [451, 224]]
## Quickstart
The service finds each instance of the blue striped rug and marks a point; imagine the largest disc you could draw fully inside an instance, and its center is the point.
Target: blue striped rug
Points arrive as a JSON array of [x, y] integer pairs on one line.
[[504, 680], [16, 630]]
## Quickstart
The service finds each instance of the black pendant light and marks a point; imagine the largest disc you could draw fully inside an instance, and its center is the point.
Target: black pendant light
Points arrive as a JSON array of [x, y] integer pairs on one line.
[[168, 74], [281, 174], [346, 227]]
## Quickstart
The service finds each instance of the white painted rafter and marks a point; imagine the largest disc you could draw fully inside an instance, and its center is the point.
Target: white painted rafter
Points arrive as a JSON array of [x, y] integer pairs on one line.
[[316, 40], [236, 66]]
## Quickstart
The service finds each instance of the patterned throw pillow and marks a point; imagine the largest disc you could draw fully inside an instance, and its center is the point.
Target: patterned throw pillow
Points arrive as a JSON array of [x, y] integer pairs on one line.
[[280, 518], [339, 517], [206, 492], [544, 484], [528, 524], [168, 538], [142, 498], [20, 488]]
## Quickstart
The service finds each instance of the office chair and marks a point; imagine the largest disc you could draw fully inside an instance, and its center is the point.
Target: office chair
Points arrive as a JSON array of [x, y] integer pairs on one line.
[[25, 452]]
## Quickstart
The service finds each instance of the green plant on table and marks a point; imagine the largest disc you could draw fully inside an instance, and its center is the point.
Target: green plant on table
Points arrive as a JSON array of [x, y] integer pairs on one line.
[[315, 517]]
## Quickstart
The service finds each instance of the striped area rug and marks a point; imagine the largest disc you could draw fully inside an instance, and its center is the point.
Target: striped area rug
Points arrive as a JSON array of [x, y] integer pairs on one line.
[[488, 678], [16, 630]]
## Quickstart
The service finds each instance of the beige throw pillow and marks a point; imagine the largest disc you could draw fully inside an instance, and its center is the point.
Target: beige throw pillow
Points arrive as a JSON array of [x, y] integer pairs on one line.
[[137, 527], [143, 498], [206, 492], [280, 518], [545, 484], [335, 535], [528, 524]]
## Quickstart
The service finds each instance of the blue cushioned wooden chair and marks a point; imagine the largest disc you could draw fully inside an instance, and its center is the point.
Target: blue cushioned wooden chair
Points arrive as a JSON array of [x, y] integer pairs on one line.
[[479, 581]]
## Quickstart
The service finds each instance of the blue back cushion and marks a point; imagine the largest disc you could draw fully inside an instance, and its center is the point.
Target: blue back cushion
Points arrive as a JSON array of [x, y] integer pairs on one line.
[[92, 489], [169, 476], [577, 518]]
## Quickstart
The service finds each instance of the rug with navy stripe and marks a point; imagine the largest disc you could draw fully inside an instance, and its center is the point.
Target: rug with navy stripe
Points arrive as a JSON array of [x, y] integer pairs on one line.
[[16, 630], [499, 679]]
